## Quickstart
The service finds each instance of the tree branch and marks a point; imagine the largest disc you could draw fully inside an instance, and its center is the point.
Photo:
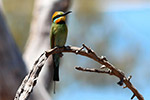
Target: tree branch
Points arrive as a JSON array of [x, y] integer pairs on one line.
[[30, 80]]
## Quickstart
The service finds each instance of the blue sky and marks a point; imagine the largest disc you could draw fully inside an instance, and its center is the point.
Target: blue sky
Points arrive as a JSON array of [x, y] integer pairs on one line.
[[134, 28]]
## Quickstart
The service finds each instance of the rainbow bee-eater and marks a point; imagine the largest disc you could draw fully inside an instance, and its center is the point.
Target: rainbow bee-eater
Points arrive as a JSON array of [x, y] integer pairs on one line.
[[58, 36]]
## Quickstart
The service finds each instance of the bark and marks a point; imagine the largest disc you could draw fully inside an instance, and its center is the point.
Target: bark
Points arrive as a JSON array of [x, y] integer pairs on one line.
[[39, 35], [12, 67]]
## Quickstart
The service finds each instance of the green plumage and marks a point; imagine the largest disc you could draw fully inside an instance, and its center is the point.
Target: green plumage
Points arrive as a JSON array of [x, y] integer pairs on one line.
[[58, 36]]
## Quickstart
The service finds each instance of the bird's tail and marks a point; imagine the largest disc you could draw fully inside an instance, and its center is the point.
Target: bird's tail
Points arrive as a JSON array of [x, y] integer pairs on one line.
[[56, 58]]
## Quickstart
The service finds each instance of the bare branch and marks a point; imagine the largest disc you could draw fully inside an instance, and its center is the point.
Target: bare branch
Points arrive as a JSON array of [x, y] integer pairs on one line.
[[30, 80], [93, 70]]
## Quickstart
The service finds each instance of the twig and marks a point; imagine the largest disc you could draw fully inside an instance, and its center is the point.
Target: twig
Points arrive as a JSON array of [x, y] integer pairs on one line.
[[93, 70], [31, 79]]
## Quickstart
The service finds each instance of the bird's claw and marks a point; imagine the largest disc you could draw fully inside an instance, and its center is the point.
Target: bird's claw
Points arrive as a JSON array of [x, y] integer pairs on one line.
[[60, 55]]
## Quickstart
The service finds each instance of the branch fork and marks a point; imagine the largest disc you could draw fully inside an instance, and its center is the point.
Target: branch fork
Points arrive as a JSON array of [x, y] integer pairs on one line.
[[31, 79]]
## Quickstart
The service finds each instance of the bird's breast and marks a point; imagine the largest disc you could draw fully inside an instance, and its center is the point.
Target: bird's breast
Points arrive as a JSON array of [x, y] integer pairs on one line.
[[60, 32]]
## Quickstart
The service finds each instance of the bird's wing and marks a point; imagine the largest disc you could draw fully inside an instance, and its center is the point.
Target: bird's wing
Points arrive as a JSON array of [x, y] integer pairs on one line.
[[52, 37]]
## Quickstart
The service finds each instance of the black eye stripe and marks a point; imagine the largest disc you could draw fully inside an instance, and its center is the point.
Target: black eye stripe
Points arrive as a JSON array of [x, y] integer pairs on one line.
[[57, 17], [62, 15]]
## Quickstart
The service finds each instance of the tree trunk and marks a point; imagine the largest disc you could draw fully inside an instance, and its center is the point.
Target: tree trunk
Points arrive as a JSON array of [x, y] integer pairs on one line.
[[38, 41], [12, 67]]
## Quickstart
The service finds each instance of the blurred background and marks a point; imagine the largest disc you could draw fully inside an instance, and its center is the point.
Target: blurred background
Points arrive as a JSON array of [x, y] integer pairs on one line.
[[119, 30]]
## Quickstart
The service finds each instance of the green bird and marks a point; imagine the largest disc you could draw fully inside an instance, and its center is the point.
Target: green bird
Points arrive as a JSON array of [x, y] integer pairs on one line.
[[58, 36]]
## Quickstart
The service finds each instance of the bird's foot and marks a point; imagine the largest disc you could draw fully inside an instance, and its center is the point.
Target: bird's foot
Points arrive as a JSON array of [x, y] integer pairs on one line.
[[60, 55]]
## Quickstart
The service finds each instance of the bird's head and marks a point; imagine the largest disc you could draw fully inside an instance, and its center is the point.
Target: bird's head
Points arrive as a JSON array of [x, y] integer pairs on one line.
[[59, 16]]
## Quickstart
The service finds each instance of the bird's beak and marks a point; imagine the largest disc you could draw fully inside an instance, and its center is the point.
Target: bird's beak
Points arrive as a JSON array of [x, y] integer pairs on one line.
[[66, 13]]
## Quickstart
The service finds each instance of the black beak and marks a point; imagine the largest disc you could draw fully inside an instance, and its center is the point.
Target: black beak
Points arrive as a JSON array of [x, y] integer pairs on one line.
[[66, 13]]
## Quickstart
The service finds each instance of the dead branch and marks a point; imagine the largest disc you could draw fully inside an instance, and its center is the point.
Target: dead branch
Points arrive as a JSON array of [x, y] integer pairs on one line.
[[31, 79]]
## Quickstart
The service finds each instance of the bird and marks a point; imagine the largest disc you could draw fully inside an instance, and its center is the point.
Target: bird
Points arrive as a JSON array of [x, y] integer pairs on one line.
[[58, 37]]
